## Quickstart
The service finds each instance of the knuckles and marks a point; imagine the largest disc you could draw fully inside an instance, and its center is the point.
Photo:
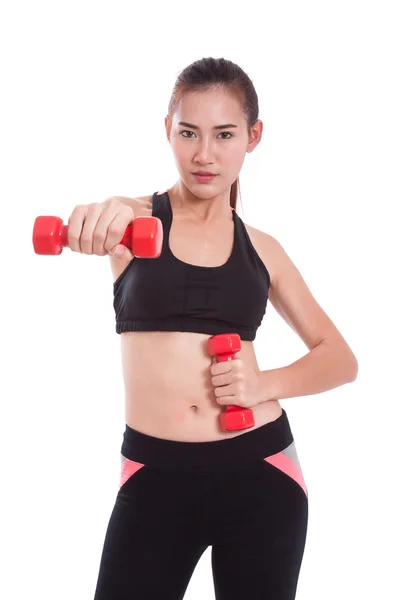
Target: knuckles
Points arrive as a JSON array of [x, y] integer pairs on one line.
[[86, 239], [115, 230], [93, 208], [111, 201]]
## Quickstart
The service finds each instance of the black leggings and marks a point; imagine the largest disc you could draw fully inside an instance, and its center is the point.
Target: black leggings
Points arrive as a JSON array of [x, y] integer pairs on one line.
[[244, 496]]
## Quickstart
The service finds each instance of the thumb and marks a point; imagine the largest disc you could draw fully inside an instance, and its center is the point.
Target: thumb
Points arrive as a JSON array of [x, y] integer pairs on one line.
[[122, 252]]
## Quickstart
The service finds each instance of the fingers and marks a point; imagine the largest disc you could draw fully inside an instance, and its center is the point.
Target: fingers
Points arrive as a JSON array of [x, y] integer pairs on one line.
[[98, 228], [75, 224], [117, 228], [226, 390], [122, 252], [221, 379], [90, 235]]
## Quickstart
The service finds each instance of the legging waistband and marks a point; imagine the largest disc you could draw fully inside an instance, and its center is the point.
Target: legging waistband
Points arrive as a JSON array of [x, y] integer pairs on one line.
[[266, 440]]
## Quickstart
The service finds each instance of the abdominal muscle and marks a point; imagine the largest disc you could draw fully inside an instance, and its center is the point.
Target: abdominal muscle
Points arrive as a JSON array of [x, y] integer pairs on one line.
[[168, 389]]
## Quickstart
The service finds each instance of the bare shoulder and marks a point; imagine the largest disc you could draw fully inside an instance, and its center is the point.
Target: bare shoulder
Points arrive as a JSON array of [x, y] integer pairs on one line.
[[266, 247], [142, 207], [272, 253]]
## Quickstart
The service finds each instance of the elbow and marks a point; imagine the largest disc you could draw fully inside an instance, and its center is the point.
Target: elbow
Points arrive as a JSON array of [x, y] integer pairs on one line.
[[345, 360], [352, 368], [355, 370]]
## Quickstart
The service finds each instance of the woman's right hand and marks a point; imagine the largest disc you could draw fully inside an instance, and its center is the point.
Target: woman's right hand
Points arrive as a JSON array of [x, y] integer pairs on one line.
[[98, 228]]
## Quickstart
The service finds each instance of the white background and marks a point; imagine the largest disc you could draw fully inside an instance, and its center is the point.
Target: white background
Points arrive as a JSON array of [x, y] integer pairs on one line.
[[85, 88]]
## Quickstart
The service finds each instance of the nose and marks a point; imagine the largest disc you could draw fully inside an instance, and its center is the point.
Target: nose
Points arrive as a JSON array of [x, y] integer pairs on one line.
[[204, 154]]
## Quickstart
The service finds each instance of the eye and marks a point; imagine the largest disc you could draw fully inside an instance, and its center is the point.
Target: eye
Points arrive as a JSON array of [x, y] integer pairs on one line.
[[222, 133], [186, 131], [226, 132]]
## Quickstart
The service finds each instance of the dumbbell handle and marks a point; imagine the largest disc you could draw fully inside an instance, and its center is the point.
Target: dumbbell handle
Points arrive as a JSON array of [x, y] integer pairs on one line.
[[126, 240]]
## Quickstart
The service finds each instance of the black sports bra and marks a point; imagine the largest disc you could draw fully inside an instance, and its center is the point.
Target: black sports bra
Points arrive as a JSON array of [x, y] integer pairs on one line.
[[167, 294]]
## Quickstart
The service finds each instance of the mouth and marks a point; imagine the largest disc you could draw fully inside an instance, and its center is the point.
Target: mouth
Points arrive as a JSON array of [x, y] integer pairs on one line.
[[204, 173], [204, 176]]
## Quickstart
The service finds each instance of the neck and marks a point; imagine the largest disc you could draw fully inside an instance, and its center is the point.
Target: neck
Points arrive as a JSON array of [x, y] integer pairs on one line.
[[206, 210]]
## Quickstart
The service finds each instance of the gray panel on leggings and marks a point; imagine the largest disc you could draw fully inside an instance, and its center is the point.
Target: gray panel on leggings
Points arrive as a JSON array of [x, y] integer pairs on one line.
[[291, 453]]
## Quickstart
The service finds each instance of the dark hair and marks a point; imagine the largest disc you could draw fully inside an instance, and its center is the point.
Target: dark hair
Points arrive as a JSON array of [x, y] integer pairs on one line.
[[209, 73]]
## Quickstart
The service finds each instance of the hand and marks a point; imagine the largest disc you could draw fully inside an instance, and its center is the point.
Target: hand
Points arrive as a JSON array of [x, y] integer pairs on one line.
[[236, 383], [98, 228]]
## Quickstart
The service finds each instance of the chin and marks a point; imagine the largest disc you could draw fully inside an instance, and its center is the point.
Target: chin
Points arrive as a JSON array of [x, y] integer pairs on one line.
[[205, 191], [200, 189]]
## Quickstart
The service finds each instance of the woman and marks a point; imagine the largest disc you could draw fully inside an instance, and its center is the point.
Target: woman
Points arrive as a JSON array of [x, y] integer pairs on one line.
[[186, 484]]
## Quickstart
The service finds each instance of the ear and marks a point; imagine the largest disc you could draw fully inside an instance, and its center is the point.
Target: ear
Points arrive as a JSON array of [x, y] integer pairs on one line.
[[255, 135], [167, 127]]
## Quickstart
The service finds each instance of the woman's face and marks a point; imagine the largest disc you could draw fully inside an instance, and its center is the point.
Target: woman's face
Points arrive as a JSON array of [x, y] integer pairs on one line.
[[201, 144]]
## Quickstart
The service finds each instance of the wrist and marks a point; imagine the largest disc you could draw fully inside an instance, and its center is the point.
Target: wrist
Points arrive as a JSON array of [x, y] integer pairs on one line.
[[269, 385]]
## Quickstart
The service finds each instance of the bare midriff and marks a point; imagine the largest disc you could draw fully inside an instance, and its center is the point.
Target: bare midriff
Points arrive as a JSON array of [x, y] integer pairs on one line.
[[168, 389]]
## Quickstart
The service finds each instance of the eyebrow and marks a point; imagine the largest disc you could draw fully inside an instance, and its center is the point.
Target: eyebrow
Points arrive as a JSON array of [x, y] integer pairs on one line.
[[227, 126]]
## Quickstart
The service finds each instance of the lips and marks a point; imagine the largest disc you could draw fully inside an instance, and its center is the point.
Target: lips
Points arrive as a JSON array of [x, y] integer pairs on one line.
[[204, 178], [204, 173]]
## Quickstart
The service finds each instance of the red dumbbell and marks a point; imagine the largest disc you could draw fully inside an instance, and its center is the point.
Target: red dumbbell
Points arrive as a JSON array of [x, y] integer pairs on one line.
[[224, 347], [144, 236]]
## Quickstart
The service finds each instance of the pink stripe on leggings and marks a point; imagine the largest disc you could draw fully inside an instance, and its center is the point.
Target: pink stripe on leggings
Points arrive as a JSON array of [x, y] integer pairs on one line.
[[282, 462], [128, 469]]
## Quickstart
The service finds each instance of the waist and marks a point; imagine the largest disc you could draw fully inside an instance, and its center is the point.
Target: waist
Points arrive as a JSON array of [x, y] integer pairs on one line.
[[253, 445]]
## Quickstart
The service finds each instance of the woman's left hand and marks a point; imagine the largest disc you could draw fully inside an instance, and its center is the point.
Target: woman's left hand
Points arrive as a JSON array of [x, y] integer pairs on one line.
[[236, 383]]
